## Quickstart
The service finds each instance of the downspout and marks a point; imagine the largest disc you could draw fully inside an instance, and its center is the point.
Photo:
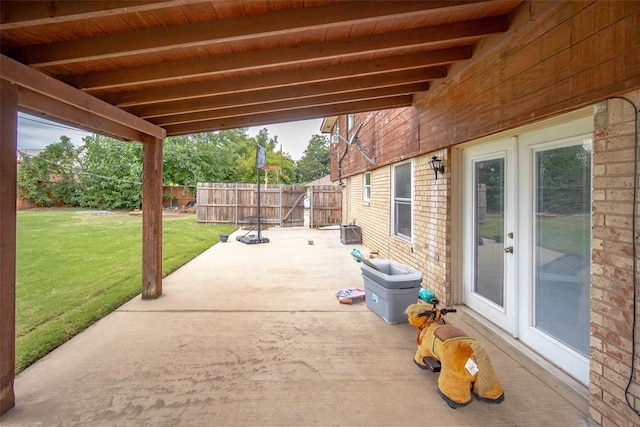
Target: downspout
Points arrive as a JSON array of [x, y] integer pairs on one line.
[[346, 148]]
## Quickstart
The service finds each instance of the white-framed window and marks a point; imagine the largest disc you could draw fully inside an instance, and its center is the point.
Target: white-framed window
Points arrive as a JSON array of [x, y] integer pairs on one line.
[[335, 133], [402, 200], [366, 187], [351, 120]]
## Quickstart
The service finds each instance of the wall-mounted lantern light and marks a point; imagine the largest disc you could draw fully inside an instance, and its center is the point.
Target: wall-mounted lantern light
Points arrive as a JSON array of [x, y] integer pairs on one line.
[[436, 165]]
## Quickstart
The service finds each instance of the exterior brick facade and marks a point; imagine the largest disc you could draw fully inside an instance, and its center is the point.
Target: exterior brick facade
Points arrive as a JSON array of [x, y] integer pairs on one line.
[[429, 249], [559, 57], [612, 248], [612, 299]]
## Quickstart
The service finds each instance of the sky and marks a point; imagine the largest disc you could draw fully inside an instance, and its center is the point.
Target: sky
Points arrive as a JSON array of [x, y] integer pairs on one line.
[[37, 133], [294, 136]]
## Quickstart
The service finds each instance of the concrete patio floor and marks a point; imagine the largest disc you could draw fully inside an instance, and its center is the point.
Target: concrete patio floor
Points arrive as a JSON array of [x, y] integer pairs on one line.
[[252, 335]]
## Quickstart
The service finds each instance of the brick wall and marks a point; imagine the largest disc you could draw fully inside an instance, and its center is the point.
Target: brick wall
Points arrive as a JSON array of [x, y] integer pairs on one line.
[[432, 225], [24, 204], [556, 57], [429, 250], [177, 196], [389, 136], [612, 266]]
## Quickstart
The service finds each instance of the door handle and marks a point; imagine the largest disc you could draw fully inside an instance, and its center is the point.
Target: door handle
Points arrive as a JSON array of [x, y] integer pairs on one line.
[[508, 249]]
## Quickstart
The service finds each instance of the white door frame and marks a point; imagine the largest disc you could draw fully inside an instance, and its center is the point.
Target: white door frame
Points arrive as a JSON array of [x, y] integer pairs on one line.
[[504, 316], [574, 363], [516, 318]]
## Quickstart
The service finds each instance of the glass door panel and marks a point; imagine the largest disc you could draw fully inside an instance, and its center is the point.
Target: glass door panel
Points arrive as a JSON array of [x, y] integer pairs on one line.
[[488, 238], [555, 239], [489, 184], [562, 227]]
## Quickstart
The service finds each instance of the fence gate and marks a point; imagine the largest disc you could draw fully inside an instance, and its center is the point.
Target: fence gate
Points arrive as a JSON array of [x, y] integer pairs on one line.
[[325, 205]]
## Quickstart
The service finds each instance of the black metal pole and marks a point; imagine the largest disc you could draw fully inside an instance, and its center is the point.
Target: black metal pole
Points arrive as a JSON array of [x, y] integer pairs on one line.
[[259, 235]]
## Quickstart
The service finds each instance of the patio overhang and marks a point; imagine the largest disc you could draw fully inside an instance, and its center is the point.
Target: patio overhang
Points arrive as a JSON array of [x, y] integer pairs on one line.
[[144, 70], [40, 95]]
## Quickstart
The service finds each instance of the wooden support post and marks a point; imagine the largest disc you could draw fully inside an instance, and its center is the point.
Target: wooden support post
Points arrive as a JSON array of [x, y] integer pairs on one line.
[[152, 218], [8, 174]]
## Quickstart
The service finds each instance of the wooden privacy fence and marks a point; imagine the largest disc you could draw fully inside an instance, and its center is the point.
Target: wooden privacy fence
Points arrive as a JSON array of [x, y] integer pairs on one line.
[[282, 205], [236, 203]]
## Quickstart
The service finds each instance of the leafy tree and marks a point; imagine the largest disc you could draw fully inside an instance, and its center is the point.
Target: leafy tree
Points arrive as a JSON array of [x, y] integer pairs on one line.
[[218, 153], [112, 173], [105, 173], [491, 174], [314, 163], [281, 168], [50, 177], [263, 139], [179, 161], [197, 158], [564, 180]]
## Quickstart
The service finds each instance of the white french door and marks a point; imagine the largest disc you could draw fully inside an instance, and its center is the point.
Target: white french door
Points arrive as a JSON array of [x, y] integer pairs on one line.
[[527, 222], [489, 207]]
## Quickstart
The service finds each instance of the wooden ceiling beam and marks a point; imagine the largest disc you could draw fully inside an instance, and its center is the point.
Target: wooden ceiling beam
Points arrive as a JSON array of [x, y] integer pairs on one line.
[[290, 115], [40, 105], [280, 79], [282, 94], [226, 30], [27, 78], [21, 14], [293, 104], [283, 56]]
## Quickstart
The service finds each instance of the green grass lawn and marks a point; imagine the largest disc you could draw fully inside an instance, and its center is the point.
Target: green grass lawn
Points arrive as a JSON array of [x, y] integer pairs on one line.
[[74, 267], [564, 234]]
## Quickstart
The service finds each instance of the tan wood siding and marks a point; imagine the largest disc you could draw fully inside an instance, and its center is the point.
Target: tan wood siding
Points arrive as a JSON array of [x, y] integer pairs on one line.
[[553, 60]]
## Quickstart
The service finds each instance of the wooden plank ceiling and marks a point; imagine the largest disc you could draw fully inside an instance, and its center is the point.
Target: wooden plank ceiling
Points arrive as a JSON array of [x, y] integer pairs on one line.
[[191, 65]]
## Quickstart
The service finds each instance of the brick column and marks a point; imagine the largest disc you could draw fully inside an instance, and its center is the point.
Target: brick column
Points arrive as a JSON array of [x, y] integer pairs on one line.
[[612, 265]]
